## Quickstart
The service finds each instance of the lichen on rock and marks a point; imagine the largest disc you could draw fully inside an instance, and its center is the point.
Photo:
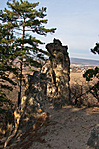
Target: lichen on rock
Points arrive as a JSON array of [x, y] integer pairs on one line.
[[57, 70], [50, 84]]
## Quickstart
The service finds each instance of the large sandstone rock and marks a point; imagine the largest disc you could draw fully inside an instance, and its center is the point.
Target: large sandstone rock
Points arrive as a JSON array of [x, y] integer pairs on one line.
[[57, 70], [50, 84]]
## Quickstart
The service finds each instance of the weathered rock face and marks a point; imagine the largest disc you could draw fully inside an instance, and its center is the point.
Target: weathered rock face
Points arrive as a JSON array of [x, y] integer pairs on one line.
[[51, 84], [57, 70]]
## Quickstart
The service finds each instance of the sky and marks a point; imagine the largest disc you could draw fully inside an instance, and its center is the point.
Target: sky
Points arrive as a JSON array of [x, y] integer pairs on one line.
[[77, 23]]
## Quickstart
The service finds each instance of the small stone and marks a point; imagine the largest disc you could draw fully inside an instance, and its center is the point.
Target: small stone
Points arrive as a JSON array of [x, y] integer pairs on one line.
[[93, 141]]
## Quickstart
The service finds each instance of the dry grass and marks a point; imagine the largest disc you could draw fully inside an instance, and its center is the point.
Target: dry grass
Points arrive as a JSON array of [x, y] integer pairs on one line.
[[79, 86]]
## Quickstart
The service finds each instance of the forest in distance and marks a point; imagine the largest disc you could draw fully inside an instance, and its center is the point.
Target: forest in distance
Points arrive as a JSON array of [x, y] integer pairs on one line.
[[84, 61]]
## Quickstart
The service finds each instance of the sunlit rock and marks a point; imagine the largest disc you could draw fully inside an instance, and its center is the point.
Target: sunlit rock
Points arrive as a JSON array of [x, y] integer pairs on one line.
[[57, 70], [50, 84]]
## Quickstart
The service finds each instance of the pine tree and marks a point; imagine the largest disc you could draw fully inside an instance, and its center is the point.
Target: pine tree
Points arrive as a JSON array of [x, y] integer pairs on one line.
[[6, 60], [90, 74], [25, 22]]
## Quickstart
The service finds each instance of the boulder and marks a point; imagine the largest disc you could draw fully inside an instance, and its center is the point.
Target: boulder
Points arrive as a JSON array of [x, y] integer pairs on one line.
[[93, 141]]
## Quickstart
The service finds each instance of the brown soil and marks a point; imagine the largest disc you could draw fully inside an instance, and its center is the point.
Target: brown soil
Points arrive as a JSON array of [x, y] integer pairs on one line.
[[67, 128]]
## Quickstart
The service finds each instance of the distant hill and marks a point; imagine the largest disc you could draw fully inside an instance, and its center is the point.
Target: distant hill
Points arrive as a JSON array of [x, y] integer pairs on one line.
[[84, 61]]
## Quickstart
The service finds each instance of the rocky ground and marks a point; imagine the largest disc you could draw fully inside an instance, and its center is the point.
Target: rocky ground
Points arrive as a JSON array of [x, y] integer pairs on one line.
[[67, 128]]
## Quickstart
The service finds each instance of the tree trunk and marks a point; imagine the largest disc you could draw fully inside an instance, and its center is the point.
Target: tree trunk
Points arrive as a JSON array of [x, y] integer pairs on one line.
[[20, 85], [21, 68]]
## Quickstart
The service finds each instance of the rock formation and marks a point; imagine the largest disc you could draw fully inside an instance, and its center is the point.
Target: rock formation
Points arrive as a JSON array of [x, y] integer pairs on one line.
[[50, 84], [93, 141], [57, 70]]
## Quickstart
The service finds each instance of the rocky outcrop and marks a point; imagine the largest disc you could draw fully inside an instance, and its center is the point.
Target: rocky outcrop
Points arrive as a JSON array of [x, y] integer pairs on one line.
[[93, 141], [57, 70], [50, 84]]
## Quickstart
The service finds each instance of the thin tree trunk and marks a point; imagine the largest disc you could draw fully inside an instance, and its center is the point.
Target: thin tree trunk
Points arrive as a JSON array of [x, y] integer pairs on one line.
[[20, 85], [21, 68]]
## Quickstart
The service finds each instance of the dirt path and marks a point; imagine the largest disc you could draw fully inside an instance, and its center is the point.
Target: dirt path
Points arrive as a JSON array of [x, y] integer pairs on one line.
[[67, 128]]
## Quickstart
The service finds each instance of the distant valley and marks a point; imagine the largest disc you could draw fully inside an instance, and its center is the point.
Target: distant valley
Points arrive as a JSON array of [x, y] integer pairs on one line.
[[79, 61]]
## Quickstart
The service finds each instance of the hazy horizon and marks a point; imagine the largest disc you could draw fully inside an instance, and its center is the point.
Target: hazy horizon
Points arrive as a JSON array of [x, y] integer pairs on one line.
[[77, 24]]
